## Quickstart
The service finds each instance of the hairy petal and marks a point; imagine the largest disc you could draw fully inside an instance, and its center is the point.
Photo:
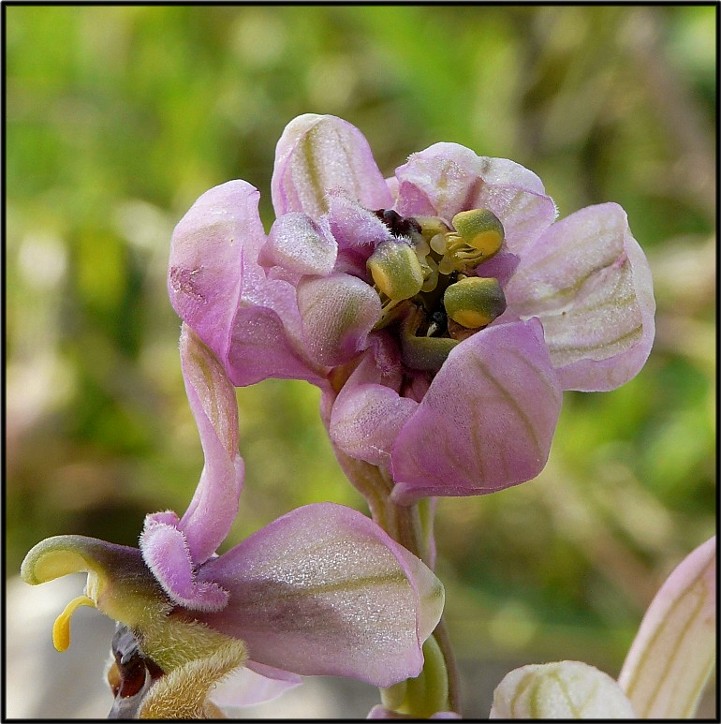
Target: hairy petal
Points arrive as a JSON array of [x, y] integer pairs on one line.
[[166, 553], [301, 245], [353, 225], [674, 651], [323, 590], [487, 420], [589, 283], [447, 178], [320, 153], [559, 690], [338, 313], [214, 506]]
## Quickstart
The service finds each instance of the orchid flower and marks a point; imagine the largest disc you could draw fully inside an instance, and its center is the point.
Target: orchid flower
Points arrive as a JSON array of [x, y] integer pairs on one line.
[[442, 311], [321, 590], [665, 670]]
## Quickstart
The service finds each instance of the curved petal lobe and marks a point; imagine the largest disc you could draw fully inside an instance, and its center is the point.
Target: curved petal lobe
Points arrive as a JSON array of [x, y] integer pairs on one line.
[[589, 283], [165, 552], [447, 178], [487, 420], [317, 154], [212, 399]]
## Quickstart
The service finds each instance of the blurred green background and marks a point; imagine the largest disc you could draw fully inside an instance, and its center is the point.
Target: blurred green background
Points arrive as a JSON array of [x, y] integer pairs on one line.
[[118, 118]]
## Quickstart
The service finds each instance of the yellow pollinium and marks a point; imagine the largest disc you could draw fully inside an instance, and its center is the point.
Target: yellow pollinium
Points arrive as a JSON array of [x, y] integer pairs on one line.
[[396, 270], [61, 627], [474, 302], [481, 230]]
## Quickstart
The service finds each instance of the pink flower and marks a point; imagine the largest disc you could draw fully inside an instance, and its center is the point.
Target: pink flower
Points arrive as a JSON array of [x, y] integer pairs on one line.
[[321, 590], [443, 311]]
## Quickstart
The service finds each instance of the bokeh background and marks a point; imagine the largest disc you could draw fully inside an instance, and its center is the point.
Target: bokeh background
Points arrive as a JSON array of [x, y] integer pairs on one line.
[[118, 118]]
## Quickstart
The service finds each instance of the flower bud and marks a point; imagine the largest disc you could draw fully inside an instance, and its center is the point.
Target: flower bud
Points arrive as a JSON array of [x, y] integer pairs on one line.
[[396, 270], [481, 230], [474, 302]]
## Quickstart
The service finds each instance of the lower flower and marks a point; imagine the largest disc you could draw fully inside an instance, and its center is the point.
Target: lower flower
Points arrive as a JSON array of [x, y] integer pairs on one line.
[[321, 590]]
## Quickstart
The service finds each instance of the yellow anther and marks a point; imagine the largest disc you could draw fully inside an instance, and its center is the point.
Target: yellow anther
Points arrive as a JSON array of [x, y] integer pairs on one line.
[[61, 627], [396, 270], [474, 302], [481, 229]]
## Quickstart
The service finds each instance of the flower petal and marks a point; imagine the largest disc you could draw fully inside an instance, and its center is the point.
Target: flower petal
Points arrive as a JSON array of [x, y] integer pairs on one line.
[[589, 283], [317, 154], [447, 178], [354, 226], [323, 590], [299, 244], [207, 253], [166, 553], [212, 399], [674, 651], [367, 415], [246, 687], [486, 421], [338, 313], [559, 690], [219, 289]]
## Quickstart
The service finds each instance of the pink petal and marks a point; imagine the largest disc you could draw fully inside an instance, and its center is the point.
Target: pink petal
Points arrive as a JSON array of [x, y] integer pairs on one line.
[[208, 249], [486, 421], [214, 506], [589, 283], [220, 290], [353, 225], [317, 154], [338, 313], [674, 651], [368, 415], [447, 178], [165, 552], [246, 687], [323, 590]]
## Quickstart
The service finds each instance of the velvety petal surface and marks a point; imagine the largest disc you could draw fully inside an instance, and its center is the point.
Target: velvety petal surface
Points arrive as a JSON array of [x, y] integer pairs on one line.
[[321, 153], [338, 313], [486, 421], [560, 690], [323, 590], [353, 225], [301, 245], [588, 281], [165, 552], [674, 651], [447, 178]]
